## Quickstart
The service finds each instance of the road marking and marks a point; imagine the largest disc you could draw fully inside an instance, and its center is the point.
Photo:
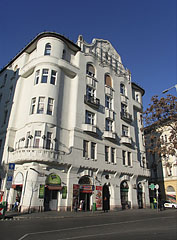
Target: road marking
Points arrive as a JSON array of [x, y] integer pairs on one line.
[[89, 226], [100, 234]]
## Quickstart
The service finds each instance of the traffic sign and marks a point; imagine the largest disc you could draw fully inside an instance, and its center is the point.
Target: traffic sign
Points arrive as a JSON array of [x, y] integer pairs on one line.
[[11, 166]]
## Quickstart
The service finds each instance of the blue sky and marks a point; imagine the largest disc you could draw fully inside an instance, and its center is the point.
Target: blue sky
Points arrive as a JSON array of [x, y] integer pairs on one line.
[[142, 31]]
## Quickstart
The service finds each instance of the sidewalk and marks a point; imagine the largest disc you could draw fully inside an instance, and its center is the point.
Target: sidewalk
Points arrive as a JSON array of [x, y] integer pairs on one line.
[[54, 214]]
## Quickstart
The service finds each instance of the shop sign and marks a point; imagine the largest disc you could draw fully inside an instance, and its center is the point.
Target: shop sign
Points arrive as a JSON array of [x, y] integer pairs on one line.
[[64, 192], [98, 193], [41, 191], [53, 179], [86, 188], [75, 190]]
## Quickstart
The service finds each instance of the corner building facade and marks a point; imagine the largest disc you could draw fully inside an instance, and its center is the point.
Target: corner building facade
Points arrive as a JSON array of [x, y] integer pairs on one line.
[[71, 124]]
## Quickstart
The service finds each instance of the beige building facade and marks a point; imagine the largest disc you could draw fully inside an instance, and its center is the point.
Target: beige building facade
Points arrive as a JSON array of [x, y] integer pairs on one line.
[[71, 120]]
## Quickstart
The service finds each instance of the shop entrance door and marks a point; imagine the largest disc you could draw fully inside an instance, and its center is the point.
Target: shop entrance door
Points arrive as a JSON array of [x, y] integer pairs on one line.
[[85, 197], [50, 200]]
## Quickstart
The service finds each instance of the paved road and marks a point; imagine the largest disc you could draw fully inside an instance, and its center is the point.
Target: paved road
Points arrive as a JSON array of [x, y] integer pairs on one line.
[[124, 225]]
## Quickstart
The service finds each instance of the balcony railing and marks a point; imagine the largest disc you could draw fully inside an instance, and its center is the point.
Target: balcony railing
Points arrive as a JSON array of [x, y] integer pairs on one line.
[[109, 135], [126, 116], [36, 154], [126, 140], [89, 128], [92, 101]]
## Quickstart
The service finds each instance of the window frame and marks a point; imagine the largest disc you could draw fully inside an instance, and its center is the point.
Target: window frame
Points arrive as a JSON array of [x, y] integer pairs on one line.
[[109, 125], [41, 103], [37, 77], [37, 138], [53, 77], [33, 105], [89, 118], [50, 106], [47, 51], [45, 75]]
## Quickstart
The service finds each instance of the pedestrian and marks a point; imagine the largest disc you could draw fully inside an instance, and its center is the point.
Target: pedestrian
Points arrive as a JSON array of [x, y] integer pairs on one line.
[[105, 204], [16, 204], [75, 204], [155, 202]]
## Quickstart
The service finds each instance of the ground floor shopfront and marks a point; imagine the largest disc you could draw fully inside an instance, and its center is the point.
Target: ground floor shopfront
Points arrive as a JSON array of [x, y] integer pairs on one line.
[[65, 188]]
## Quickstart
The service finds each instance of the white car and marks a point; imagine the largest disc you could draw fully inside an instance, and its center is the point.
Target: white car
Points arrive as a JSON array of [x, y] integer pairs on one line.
[[168, 204]]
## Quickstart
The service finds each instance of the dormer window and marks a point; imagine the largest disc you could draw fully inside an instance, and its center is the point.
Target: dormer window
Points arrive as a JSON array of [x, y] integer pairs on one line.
[[90, 70], [47, 49], [108, 80]]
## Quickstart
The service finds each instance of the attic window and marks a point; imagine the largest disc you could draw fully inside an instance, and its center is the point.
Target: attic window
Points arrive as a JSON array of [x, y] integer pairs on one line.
[[90, 70], [47, 49]]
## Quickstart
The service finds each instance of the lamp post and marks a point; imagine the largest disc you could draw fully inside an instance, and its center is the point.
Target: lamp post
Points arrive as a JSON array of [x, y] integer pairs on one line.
[[166, 90]]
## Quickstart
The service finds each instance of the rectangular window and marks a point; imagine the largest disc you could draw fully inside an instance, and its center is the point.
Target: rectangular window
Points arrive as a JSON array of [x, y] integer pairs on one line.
[[129, 158], [93, 150], [113, 155], [48, 140], [33, 103], [37, 77], [50, 106], [90, 92], [124, 131], [122, 89], [53, 77], [109, 124], [106, 153], [45, 73], [123, 108], [124, 157], [40, 108], [37, 137], [85, 148], [27, 139], [108, 102], [89, 118]]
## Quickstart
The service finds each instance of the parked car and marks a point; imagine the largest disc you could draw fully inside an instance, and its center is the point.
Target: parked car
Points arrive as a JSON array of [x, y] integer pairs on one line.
[[168, 204]]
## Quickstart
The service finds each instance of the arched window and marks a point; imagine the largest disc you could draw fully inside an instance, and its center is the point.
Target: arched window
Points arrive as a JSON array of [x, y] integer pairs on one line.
[[108, 81], [90, 70], [47, 49], [122, 88]]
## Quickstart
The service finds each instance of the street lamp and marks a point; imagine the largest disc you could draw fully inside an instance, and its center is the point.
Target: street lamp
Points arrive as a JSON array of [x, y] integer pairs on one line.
[[166, 90]]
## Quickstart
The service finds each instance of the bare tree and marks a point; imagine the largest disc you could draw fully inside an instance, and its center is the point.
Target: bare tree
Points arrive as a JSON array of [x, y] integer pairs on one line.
[[161, 116]]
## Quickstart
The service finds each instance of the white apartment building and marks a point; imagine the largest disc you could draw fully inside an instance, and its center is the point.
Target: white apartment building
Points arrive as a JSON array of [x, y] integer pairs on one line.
[[70, 121]]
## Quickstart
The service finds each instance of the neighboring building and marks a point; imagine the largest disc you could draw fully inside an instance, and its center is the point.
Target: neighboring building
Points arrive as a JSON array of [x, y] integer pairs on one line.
[[71, 120], [163, 167]]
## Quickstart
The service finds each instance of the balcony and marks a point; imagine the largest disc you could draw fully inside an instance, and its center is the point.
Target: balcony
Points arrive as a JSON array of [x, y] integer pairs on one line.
[[92, 101], [126, 140], [126, 116], [109, 135], [91, 81], [109, 91], [109, 113], [124, 99], [35, 154], [89, 128]]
